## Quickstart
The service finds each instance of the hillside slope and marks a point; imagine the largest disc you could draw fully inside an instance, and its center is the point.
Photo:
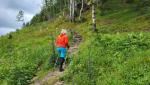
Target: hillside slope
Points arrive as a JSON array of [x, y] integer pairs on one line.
[[118, 54]]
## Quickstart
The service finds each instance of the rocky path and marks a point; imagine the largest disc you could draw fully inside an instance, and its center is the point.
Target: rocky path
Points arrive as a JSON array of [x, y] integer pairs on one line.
[[52, 78]]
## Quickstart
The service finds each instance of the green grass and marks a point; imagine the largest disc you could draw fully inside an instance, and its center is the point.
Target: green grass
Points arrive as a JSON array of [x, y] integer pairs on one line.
[[121, 59], [119, 54], [29, 49]]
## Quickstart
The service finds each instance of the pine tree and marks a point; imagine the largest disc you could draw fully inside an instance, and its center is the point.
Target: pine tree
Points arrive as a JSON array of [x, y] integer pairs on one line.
[[20, 17]]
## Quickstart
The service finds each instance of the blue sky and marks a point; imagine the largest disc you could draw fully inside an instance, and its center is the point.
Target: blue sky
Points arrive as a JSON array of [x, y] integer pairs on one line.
[[9, 10]]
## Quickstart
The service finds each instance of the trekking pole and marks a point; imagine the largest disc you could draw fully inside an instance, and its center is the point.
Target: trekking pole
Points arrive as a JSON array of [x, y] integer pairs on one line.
[[66, 58], [56, 62]]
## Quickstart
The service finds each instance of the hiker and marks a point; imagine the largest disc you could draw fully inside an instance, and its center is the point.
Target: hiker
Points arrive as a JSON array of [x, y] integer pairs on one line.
[[62, 45]]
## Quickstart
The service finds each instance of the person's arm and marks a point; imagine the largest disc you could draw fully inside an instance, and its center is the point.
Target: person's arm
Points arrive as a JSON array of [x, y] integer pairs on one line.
[[67, 42]]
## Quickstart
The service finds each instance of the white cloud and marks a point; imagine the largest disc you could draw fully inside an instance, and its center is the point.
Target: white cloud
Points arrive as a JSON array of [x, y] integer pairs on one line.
[[28, 17], [10, 8], [6, 30]]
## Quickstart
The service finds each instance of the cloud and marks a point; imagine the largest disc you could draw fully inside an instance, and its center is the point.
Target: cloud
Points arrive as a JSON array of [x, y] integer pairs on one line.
[[6, 30], [31, 6], [10, 8]]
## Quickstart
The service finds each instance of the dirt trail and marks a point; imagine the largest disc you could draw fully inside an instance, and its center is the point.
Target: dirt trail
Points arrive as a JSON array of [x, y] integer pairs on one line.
[[52, 78]]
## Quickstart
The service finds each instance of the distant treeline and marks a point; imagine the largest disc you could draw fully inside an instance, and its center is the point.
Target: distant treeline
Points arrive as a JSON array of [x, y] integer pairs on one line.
[[72, 9]]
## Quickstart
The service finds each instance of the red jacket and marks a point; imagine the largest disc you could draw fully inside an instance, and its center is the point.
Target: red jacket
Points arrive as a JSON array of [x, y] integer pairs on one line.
[[62, 41]]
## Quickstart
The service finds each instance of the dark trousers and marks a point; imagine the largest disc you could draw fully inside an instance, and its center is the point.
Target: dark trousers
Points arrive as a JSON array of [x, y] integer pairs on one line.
[[61, 60]]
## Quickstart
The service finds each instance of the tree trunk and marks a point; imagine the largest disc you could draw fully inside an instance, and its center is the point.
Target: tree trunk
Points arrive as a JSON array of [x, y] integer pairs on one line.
[[70, 10], [81, 10], [65, 3], [93, 15], [73, 10], [97, 2], [53, 12]]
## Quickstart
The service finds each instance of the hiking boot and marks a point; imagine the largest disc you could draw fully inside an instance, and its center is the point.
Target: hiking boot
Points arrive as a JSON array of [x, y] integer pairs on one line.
[[61, 70], [61, 64]]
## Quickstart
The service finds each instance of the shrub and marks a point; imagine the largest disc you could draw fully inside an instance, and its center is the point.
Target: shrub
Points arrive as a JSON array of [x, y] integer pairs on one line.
[[112, 59]]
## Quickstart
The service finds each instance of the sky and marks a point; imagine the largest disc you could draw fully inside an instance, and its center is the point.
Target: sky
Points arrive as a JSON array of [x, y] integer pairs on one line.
[[9, 10]]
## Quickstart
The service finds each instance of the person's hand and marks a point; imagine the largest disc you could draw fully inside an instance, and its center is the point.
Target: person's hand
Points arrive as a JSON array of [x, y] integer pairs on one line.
[[68, 46]]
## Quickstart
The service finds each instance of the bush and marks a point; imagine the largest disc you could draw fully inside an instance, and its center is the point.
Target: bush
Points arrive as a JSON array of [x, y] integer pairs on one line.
[[107, 60], [142, 6], [22, 66], [21, 75]]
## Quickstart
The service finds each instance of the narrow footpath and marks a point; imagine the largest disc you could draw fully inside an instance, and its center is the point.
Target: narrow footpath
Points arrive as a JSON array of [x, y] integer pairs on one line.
[[52, 78]]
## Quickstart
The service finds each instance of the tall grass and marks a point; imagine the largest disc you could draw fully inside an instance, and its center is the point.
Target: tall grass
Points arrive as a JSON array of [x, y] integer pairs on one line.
[[112, 60], [21, 67]]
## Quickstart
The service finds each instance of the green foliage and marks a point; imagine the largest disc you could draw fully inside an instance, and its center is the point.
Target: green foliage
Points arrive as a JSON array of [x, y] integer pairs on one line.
[[21, 67], [37, 19], [117, 56], [111, 60], [23, 75], [50, 10], [129, 1], [142, 6], [27, 52], [22, 55]]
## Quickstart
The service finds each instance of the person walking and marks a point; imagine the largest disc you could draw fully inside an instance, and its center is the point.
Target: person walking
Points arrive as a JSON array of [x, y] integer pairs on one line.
[[62, 43]]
